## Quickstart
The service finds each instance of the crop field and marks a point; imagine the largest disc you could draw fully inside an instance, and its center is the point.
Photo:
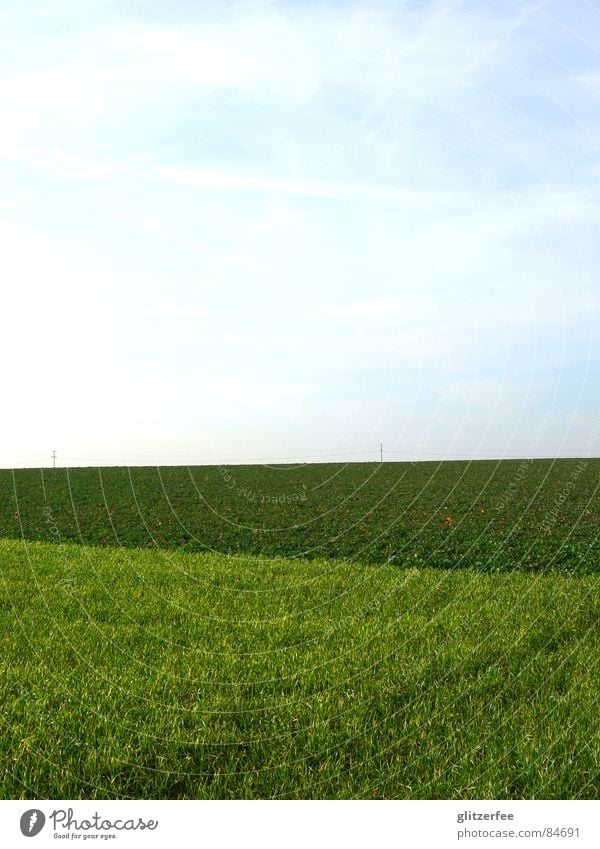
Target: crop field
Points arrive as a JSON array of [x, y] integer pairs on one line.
[[330, 631], [487, 515]]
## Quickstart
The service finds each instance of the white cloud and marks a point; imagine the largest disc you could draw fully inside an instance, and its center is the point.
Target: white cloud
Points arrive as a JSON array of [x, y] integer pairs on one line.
[[289, 209], [213, 179]]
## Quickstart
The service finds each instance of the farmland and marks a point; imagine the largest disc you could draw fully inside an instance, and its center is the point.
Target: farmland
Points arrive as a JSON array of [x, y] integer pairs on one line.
[[322, 631], [129, 673], [490, 516]]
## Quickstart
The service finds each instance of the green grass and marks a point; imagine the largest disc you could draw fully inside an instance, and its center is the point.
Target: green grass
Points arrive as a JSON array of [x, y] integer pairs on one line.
[[491, 516], [406, 631], [165, 674]]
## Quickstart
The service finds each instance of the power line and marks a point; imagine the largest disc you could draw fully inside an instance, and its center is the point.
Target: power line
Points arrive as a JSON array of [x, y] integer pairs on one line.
[[292, 459], [317, 456]]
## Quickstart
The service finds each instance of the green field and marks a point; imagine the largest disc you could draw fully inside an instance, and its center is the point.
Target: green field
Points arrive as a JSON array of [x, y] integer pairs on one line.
[[362, 631], [139, 674], [488, 515]]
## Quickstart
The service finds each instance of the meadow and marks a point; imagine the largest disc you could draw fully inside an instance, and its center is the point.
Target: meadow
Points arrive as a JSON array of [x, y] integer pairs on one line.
[[329, 631], [129, 673]]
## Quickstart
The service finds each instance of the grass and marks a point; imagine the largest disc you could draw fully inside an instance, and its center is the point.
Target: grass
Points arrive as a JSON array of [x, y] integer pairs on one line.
[[533, 515], [166, 674]]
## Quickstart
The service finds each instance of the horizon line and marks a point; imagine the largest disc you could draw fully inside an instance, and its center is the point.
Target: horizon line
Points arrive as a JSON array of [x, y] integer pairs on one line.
[[375, 462]]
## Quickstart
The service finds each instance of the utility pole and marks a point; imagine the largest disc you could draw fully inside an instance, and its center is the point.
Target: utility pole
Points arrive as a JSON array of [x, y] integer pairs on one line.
[[54, 459], [381, 452]]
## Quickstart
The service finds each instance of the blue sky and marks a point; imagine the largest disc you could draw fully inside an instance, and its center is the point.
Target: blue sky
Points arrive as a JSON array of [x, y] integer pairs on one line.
[[282, 230]]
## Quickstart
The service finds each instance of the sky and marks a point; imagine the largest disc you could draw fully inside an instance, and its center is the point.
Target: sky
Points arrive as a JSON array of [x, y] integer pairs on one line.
[[290, 231]]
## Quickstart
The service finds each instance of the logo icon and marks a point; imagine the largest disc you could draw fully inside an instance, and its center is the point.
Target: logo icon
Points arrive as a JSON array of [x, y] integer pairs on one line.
[[32, 822]]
